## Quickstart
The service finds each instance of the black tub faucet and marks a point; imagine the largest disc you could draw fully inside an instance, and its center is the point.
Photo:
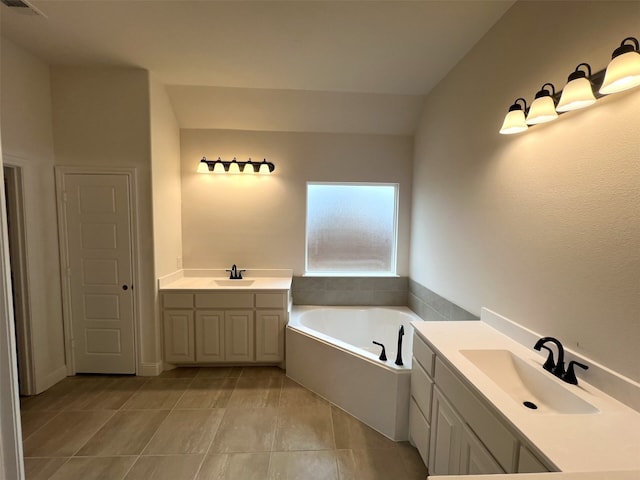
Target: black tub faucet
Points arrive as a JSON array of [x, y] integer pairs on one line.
[[383, 355], [399, 353], [556, 368]]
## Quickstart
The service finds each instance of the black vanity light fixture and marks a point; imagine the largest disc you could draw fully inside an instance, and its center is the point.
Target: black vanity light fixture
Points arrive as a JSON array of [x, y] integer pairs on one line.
[[622, 73], [234, 166]]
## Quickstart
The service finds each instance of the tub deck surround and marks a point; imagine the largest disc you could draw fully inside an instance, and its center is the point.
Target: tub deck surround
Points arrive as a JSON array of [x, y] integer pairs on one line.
[[355, 329], [218, 279], [607, 440], [354, 379]]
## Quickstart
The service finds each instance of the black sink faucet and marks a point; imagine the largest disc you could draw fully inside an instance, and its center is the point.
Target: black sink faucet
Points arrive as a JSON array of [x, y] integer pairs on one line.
[[570, 374], [234, 273], [556, 368]]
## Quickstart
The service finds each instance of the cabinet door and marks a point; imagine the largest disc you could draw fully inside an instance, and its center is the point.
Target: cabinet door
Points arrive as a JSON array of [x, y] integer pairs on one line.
[[178, 336], [419, 431], [528, 463], [209, 338], [446, 436], [270, 335], [475, 459], [238, 336]]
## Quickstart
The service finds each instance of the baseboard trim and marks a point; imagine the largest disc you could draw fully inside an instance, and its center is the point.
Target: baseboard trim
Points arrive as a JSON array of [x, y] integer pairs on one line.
[[47, 381]]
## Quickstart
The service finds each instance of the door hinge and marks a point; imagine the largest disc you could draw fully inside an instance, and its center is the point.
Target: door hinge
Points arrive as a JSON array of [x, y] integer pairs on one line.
[[68, 271], [64, 197], [73, 344]]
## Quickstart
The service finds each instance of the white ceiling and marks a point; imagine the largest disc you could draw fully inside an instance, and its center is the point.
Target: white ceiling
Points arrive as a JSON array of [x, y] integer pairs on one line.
[[356, 66]]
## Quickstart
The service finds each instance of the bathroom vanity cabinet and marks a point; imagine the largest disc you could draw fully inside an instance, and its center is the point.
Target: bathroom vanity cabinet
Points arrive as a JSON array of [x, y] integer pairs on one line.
[[207, 327], [455, 431]]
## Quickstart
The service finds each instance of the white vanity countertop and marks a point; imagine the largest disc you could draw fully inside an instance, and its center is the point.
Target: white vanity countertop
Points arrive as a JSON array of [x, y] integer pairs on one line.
[[628, 475], [218, 279], [608, 440]]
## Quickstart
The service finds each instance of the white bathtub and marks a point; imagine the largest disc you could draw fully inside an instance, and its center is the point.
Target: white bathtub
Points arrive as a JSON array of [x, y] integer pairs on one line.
[[330, 351]]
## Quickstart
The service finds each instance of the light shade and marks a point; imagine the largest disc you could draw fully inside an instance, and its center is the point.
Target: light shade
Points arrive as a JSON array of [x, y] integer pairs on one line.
[[218, 167], [234, 167], [264, 168], [623, 71], [543, 108], [248, 168], [578, 92], [203, 166], [514, 121]]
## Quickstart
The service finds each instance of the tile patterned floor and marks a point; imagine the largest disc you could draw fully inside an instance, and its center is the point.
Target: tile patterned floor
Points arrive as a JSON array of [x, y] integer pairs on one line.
[[224, 423]]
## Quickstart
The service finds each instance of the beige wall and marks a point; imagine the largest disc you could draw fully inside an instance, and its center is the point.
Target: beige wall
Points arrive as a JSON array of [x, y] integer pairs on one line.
[[259, 222], [542, 227], [27, 142], [165, 175], [101, 119]]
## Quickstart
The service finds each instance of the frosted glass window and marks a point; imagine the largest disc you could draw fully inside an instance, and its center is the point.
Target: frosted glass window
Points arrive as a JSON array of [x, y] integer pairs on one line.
[[351, 228]]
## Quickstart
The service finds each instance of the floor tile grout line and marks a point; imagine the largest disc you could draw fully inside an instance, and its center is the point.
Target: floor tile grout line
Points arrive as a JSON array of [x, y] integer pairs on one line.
[[195, 476], [113, 412], [24, 439], [275, 430], [126, 474]]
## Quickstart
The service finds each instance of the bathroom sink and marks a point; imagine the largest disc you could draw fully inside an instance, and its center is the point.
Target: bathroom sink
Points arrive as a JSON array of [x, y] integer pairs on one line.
[[529, 385], [234, 283]]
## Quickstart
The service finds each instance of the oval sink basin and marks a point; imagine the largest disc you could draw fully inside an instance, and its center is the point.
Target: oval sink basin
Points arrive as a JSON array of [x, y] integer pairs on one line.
[[234, 283], [531, 386]]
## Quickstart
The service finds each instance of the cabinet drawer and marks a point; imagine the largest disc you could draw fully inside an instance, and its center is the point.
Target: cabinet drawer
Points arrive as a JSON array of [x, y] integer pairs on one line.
[[423, 354], [224, 300], [177, 300], [421, 388], [419, 431], [489, 430], [271, 300]]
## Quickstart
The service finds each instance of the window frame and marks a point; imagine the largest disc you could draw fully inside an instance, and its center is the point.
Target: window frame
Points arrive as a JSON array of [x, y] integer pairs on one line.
[[393, 272]]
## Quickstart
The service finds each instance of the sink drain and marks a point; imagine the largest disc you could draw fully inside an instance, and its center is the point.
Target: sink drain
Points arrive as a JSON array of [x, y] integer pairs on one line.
[[530, 405]]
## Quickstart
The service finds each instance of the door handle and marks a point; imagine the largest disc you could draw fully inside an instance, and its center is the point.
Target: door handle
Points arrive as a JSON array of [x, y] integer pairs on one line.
[[125, 287]]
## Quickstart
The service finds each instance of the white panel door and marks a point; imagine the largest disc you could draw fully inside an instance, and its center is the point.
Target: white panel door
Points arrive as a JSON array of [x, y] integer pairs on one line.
[[99, 246]]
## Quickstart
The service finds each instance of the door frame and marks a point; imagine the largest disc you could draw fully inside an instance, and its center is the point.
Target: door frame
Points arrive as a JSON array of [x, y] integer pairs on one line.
[[11, 457], [19, 261], [60, 172]]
